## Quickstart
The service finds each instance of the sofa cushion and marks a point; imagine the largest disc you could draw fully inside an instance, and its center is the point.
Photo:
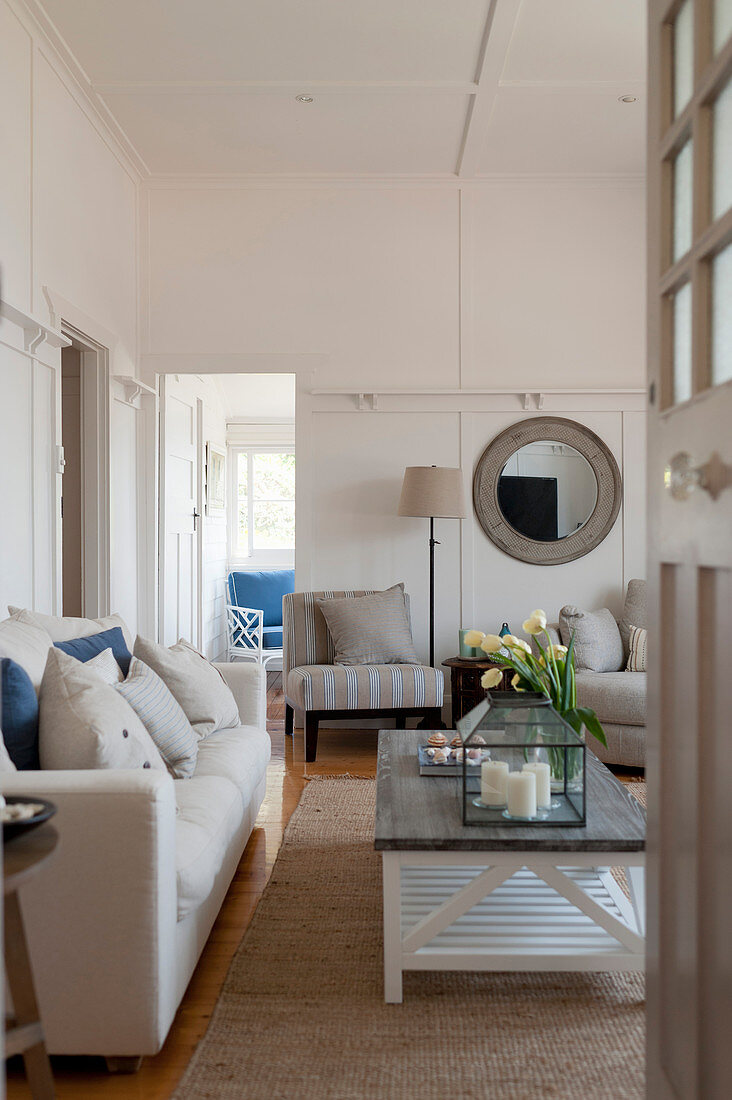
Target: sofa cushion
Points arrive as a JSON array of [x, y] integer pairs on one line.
[[162, 717], [105, 666], [198, 686], [26, 643], [597, 642], [240, 755], [361, 687], [91, 645], [18, 715], [6, 764], [85, 723], [370, 630], [618, 697], [263, 590], [64, 628], [272, 637], [209, 815], [638, 649], [634, 612]]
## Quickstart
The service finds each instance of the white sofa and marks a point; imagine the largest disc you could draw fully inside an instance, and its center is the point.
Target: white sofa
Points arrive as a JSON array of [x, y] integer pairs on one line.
[[119, 917]]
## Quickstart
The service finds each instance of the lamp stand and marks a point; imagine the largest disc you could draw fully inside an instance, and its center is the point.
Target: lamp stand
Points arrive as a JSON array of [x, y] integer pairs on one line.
[[423, 723]]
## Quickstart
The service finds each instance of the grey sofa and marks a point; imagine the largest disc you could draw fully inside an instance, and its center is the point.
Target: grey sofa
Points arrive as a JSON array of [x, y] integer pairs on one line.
[[618, 698]]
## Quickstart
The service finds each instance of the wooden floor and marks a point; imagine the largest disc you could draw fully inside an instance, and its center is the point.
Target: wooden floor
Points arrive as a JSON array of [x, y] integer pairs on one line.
[[339, 752]]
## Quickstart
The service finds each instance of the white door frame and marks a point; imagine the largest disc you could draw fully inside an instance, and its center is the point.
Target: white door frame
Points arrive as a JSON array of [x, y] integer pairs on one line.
[[95, 472]]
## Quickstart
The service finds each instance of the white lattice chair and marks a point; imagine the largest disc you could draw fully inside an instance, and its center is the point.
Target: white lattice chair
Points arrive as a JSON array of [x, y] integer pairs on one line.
[[245, 629]]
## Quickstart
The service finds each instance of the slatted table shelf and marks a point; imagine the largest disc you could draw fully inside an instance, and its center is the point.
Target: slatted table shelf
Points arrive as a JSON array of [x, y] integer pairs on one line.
[[503, 898]]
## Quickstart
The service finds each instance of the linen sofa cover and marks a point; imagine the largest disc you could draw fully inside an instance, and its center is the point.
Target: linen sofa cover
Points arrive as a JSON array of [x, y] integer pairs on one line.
[[618, 698], [135, 885]]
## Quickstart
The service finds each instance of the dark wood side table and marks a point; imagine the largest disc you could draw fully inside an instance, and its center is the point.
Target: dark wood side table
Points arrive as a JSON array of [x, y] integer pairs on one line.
[[465, 686], [23, 857]]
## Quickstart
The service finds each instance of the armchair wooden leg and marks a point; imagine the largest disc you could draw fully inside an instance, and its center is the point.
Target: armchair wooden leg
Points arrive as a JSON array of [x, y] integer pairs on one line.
[[289, 720], [432, 720], [311, 736]]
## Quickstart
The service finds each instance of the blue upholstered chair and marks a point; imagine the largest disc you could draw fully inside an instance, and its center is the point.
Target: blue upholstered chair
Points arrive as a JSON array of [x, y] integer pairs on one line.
[[254, 613]]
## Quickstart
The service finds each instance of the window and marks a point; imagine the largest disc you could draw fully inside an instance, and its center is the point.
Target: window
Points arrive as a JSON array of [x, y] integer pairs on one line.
[[263, 520]]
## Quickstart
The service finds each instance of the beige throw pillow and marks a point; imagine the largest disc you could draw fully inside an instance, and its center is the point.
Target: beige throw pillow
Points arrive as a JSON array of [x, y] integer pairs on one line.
[[370, 630], [85, 723], [65, 628], [199, 688], [597, 642], [105, 665], [26, 643], [638, 645]]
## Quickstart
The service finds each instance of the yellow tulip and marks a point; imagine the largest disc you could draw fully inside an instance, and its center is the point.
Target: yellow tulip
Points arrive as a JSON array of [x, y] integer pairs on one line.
[[559, 650], [535, 623], [491, 678], [517, 643], [474, 638], [515, 683], [491, 643]]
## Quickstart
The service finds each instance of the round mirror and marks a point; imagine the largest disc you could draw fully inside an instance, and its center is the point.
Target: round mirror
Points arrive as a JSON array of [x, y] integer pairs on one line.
[[547, 490]]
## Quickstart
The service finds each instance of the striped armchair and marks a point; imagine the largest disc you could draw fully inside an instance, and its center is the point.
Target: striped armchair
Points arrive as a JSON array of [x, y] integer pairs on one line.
[[314, 684]]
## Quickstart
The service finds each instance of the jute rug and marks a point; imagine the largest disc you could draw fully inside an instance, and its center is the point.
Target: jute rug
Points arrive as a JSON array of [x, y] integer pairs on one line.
[[302, 1016]]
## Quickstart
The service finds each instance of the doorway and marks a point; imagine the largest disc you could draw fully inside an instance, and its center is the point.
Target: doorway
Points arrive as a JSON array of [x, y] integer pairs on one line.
[[84, 568]]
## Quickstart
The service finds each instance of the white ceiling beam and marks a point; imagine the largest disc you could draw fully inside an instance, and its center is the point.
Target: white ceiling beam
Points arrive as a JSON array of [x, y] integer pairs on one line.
[[284, 87], [499, 27]]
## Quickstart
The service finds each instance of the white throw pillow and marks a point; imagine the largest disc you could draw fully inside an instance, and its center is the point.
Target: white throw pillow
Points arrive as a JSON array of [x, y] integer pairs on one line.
[[85, 723], [162, 716], [105, 665], [638, 644], [64, 629], [27, 644], [199, 687]]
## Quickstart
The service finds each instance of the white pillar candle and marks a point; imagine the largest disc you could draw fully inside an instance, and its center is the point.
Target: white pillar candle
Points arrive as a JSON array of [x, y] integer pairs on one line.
[[521, 794], [543, 775], [493, 776]]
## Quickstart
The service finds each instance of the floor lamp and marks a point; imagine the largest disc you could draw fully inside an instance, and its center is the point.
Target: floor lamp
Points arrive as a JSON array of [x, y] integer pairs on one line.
[[437, 493]]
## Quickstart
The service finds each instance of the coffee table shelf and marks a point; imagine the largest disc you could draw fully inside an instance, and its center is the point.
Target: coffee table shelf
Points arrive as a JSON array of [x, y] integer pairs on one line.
[[465, 898]]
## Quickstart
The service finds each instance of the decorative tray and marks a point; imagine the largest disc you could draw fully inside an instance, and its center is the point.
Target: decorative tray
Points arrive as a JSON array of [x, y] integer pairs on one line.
[[16, 826], [427, 764]]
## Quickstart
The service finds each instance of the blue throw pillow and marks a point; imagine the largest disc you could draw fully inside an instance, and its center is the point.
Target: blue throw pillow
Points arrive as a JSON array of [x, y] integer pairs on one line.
[[86, 648], [19, 715]]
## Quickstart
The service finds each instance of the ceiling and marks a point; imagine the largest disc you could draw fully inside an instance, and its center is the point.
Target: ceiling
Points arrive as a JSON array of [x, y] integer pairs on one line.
[[256, 396], [399, 87]]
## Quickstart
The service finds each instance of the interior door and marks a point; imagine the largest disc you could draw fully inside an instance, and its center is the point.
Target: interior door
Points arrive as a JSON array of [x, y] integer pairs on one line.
[[690, 555], [180, 495]]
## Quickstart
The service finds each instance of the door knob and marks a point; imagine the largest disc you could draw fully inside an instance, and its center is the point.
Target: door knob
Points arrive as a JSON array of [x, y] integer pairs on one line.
[[682, 476]]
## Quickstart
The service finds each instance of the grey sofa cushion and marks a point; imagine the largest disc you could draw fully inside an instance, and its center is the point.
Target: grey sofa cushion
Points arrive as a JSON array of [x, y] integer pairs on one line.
[[634, 612], [618, 697], [597, 642]]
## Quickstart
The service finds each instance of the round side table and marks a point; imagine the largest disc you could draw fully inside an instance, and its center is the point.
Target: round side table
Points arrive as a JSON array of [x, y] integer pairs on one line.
[[465, 686], [23, 857]]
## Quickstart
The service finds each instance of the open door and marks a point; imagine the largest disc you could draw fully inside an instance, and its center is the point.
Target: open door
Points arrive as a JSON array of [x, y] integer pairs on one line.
[[180, 511], [690, 554]]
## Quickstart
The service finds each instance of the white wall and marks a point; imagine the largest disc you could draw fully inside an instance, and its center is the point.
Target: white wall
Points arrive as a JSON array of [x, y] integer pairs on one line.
[[68, 225], [499, 285]]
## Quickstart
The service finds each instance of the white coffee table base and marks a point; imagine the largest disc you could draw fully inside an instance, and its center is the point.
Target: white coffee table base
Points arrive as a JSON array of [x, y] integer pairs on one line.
[[510, 911]]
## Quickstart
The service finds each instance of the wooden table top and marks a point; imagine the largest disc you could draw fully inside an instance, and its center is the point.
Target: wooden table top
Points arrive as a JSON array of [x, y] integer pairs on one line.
[[23, 855], [416, 812]]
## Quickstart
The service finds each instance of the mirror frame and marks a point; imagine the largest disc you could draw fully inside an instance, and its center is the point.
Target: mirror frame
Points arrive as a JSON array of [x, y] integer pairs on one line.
[[535, 430]]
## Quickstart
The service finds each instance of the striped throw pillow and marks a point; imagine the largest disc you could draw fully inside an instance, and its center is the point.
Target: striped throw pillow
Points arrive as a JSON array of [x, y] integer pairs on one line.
[[163, 718], [637, 654]]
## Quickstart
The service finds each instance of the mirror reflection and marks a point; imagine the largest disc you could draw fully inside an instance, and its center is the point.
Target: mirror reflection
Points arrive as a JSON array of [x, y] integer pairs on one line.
[[547, 490]]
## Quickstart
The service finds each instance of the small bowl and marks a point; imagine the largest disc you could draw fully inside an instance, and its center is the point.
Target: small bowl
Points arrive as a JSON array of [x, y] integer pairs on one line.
[[12, 829]]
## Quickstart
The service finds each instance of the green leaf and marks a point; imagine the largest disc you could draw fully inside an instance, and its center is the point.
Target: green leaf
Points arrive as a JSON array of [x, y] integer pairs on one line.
[[577, 717], [567, 680]]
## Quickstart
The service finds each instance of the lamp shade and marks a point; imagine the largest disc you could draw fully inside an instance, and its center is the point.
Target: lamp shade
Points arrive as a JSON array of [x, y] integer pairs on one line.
[[433, 491]]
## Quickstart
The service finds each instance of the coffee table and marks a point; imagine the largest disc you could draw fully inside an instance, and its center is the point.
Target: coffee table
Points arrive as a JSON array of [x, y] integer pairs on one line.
[[503, 897]]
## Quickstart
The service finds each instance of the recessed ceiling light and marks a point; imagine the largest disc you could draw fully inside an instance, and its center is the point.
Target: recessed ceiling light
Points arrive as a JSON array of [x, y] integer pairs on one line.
[[621, 98], [304, 99]]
